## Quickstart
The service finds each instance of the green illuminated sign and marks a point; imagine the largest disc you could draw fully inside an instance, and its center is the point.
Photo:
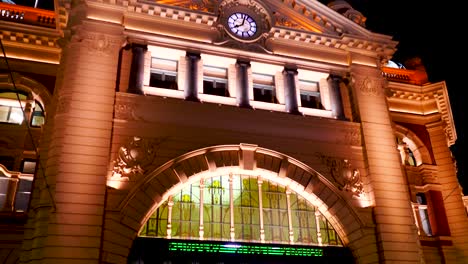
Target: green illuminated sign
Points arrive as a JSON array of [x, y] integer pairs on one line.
[[245, 249]]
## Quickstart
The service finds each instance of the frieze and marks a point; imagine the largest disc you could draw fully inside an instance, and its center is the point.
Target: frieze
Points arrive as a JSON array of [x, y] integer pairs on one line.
[[350, 137], [284, 21], [98, 43], [345, 176], [199, 5]]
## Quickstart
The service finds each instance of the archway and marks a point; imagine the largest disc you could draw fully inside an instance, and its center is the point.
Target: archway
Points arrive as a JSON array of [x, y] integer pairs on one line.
[[156, 187]]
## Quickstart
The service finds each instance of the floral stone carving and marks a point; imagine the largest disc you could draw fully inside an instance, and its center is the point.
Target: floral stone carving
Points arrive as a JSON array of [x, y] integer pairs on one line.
[[134, 158], [346, 177]]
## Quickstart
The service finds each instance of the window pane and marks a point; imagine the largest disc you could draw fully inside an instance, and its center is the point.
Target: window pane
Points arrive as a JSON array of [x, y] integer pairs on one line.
[[310, 99], [167, 80], [16, 115], [4, 111], [28, 166], [215, 81], [22, 194], [4, 181], [163, 73]]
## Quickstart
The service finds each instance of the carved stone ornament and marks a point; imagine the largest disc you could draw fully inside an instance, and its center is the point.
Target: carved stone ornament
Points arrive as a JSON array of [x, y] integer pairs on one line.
[[284, 21], [134, 158], [370, 86], [200, 5], [350, 137], [98, 43], [347, 178]]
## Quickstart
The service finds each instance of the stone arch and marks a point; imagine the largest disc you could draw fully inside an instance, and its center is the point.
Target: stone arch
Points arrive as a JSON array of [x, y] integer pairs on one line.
[[23, 83], [415, 144], [124, 224]]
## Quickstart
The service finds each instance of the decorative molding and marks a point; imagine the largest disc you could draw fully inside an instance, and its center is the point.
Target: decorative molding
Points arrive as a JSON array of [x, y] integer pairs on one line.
[[125, 110], [347, 178], [370, 86], [199, 5], [98, 43], [134, 158], [351, 137], [284, 21]]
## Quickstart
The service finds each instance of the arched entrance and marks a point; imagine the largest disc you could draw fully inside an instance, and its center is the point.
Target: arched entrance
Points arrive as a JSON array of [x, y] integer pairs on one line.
[[248, 161]]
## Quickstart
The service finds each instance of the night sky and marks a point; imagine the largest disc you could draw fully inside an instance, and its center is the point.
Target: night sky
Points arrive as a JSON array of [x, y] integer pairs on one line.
[[429, 30]]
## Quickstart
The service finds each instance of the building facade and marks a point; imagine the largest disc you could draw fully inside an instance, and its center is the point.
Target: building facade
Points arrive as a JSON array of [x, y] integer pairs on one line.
[[268, 127]]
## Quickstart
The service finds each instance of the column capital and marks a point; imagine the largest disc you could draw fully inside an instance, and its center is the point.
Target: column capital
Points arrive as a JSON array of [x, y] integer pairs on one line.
[[134, 46], [244, 63], [335, 77], [193, 55], [100, 39], [290, 70]]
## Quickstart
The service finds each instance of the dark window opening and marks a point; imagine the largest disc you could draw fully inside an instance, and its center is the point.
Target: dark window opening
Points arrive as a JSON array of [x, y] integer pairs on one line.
[[423, 213], [310, 99], [215, 87], [264, 93], [8, 162], [167, 80]]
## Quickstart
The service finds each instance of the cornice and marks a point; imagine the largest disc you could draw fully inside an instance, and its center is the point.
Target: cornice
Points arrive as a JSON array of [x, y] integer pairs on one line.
[[142, 16], [30, 42], [423, 100]]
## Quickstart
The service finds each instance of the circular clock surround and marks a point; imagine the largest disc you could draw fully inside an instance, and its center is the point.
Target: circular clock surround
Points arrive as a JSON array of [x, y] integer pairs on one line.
[[242, 25], [244, 20]]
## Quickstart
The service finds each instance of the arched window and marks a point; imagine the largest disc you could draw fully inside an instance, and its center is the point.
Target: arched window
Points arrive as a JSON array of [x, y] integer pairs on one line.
[[240, 208], [10, 107]]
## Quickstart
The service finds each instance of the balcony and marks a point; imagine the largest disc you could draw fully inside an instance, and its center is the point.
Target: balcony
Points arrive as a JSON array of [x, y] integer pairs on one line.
[[27, 15]]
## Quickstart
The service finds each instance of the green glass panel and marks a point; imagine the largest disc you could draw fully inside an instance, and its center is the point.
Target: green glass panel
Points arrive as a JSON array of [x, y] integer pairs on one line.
[[217, 213]]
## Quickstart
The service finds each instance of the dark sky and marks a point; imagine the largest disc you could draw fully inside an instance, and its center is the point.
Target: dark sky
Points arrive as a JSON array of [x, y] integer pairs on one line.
[[429, 30]]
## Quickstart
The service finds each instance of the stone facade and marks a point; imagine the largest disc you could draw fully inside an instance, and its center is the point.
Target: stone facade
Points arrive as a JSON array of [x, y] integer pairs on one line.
[[366, 145]]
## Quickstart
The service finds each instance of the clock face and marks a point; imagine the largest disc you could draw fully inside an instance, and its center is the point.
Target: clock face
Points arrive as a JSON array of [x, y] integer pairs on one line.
[[242, 25]]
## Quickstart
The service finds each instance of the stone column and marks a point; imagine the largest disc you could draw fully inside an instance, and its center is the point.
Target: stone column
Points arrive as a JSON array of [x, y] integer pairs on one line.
[[137, 69], [290, 93], [191, 87], [335, 96], [242, 86], [451, 191], [68, 199], [397, 238]]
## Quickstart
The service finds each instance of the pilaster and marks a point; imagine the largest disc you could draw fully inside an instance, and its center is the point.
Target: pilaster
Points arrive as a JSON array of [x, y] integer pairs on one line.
[[450, 188], [70, 225], [397, 237]]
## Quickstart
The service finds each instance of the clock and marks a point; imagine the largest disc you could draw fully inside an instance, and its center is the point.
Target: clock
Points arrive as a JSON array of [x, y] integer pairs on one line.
[[242, 25]]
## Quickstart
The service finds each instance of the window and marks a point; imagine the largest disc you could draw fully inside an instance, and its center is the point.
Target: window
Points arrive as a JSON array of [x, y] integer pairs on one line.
[[4, 182], [264, 88], [28, 166], [215, 81], [37, 118], [309, 94], [232, 206], [422, 214], [23, 193], [163, 73], [10, 108]]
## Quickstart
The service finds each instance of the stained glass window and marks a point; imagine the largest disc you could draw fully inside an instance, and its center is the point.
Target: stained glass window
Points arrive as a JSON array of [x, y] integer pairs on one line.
[[240, 208]]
